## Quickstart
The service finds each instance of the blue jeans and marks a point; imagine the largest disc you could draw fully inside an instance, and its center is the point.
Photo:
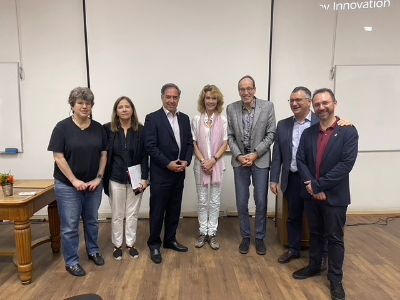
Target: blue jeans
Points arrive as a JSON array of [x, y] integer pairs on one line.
[[243, 177], [71, 206]]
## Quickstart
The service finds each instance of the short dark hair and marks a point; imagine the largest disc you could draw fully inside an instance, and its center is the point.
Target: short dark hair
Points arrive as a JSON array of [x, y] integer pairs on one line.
[[247, 77], [302, 89], [83, 93], [324, 90], [169, 86]]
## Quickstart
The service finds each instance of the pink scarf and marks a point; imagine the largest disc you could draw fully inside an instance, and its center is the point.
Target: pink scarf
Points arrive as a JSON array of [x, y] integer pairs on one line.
[[217, 139]]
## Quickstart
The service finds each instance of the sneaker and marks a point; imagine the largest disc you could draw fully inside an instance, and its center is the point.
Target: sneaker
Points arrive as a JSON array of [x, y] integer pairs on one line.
[[117, 253], [244, 246], [213, 242], [75, 270], [260, 247], [337, 291], [202, 239], [133, 252], [96, 258]]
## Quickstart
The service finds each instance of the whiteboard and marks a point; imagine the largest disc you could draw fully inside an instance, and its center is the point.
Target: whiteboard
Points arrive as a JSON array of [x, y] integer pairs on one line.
[[369, 96], [10, 112]]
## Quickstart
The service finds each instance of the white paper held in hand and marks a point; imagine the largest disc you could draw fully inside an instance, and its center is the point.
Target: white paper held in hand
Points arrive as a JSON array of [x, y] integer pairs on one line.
[[135, 173]]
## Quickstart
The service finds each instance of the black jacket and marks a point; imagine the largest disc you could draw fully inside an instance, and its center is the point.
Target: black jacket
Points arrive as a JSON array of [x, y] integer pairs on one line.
[[139, 154]]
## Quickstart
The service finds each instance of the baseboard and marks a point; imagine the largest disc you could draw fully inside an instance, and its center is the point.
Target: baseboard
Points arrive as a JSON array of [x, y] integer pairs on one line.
[[271, 214]]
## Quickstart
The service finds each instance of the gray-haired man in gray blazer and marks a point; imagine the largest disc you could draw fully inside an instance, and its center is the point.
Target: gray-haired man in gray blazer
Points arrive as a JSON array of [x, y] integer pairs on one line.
[[251, 131]]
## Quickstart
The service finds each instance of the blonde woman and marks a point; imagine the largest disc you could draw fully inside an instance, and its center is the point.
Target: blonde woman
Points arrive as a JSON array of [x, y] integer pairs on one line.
[[209, 130]]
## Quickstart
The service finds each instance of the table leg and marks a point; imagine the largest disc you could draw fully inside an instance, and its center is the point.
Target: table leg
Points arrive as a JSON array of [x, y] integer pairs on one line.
[[54, 226], [23, 240]]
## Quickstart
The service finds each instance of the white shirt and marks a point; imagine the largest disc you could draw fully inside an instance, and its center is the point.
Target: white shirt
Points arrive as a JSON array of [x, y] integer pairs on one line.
[[196, 124], [298, 129], [173, 121]]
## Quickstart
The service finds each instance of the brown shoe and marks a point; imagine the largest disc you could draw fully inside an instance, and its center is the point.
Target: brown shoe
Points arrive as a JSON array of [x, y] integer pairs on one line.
[[288, 256]]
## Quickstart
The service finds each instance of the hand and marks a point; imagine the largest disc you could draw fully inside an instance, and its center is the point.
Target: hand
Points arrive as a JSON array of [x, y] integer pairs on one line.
[[320, 196], [252, 157], [242, 159], [177, 166], [208, 165], [343, 122], [79, 185], [145, 184], [93, 184], [183, 163], [275, 188], [309, 188]]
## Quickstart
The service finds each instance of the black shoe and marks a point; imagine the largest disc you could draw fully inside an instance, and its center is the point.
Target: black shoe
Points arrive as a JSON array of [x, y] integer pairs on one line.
[[155, 256], [337, 291], [174, 245], [97, 259], [288, 256], [76, 270], [260, 247], [117, 253], [244, 246], [133, 252], [305, 273], [324, 264]]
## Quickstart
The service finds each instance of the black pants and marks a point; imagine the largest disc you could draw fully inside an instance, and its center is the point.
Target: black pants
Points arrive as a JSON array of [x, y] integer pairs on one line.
[[295, 211], [326, 221], [165, 207]]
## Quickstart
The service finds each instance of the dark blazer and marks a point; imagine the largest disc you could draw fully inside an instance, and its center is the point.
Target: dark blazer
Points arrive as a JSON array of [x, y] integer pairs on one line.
[[139, 154], [160, 144], [282, 151], [339, 159]]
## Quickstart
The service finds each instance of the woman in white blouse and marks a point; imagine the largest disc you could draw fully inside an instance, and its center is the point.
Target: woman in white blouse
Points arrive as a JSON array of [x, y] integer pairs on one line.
[[209, 131]]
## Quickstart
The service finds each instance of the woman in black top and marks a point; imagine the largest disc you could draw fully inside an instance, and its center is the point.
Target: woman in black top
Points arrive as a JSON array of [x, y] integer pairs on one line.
[[125, 144], [79, 147]]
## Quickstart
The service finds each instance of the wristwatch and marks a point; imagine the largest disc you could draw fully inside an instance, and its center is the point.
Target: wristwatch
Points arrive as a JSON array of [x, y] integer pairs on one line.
[[99, 176]]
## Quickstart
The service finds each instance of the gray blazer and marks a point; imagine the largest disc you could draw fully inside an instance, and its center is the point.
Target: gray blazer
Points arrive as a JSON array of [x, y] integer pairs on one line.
[[262, 131], [282, 153]]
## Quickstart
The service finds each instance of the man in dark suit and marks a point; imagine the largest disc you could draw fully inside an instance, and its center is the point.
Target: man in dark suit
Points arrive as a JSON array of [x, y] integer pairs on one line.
[[169, 143], [325, 157], [288, 133]]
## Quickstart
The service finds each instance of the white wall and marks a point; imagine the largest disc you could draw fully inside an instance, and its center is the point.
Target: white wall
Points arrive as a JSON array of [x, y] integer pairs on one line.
[[304, 50], [136, 46], [53, 58], [131, 53]]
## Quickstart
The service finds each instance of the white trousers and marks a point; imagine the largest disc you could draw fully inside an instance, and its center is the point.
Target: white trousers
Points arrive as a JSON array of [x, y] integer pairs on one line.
[[209, 201], [124, 204]]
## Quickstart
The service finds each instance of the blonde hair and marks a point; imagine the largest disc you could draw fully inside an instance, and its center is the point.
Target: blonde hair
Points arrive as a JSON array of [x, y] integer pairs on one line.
[[201, 107]]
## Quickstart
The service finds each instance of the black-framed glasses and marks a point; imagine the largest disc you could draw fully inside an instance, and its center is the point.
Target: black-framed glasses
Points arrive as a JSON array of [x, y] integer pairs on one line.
[[248, 90], [297, 100]]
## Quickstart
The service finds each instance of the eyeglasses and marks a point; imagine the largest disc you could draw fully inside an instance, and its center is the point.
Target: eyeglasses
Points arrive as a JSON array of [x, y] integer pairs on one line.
[[248, 90], [297, 100]]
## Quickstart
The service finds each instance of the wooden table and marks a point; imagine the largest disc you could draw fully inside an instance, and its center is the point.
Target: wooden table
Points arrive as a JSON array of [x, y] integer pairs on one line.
[[19, 209]]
